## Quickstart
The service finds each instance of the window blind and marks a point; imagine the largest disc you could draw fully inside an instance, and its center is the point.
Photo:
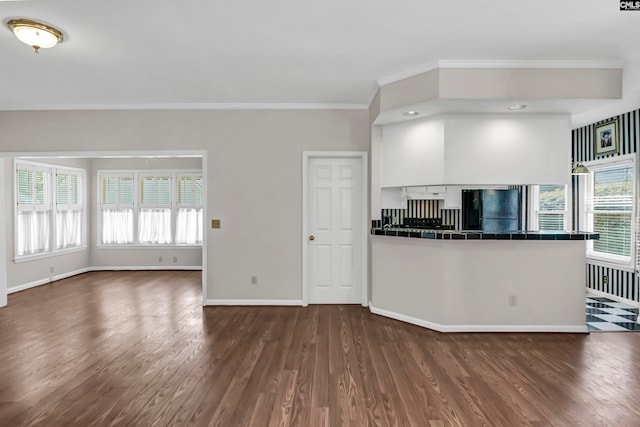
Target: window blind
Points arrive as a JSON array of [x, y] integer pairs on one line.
[[552, 207], [155, 190], [24, 179], [63, 188], [41, 187], [117, 190], [610, 209], [189, 190], [68, 188]]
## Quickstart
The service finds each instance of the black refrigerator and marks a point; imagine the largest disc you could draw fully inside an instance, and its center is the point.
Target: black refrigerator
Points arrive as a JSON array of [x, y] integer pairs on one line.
[[491, 210]]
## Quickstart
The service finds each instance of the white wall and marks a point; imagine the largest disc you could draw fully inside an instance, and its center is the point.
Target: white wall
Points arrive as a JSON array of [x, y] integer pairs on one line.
[[3, 248], [254, 176], [38, 270]]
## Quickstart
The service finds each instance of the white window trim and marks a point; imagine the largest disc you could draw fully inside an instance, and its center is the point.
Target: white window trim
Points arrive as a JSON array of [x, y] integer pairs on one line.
[[614, 261], [534, 202], [52, 170], [136, 173]]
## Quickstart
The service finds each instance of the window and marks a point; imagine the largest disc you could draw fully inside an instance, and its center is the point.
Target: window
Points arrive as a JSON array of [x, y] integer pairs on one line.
[[151, 208], [50, 209], [69, 208], [116, 208], [154, 220], [189, 219], [549, 203], [609, 207]]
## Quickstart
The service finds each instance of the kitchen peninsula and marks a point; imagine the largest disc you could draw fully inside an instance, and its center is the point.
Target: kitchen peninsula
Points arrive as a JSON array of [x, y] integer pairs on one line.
[[457, 281], [427, 135]]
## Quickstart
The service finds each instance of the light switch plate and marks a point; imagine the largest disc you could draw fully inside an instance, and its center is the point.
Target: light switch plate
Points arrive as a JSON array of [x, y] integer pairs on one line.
[[215, 223]]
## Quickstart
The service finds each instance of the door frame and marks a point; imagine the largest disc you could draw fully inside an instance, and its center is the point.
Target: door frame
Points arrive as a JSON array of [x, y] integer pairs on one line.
[[307, 156]]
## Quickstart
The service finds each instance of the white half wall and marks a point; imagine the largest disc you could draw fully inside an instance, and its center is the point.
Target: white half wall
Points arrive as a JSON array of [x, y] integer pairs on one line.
[[458, 285]]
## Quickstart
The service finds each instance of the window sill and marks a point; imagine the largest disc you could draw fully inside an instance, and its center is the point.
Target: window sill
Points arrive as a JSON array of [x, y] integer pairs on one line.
[[118, 247], [57, 252], [608, 263]]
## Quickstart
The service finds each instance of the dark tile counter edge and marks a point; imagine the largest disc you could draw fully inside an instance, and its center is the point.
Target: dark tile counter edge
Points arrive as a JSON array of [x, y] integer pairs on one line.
[[479, 235]]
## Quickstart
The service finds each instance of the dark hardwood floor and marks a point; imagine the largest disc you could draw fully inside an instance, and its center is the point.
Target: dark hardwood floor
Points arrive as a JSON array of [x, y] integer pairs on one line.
[[136, 348]]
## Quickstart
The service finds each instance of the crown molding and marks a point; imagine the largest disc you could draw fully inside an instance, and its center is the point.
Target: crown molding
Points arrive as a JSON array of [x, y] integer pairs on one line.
[[499, 63], [408, 73], [190, 106]]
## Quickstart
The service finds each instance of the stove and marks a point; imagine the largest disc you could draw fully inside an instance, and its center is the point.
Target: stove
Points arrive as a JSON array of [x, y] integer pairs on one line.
[[425, 224]]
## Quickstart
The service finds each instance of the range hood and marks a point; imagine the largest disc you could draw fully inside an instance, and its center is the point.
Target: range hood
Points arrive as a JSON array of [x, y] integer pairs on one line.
[[428, 192]]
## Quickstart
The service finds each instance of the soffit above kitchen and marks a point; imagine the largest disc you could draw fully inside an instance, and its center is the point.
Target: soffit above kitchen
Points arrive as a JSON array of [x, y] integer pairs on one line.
[[498, 87], [255, 54]]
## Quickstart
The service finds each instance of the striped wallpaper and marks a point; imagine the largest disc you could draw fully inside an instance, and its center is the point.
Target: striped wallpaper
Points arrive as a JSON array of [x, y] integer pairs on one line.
[[623, 284], [426, 209], [582, 147], [619, 283]]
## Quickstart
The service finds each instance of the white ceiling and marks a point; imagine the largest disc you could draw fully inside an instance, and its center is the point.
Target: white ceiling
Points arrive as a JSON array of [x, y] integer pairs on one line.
[[208, 53]]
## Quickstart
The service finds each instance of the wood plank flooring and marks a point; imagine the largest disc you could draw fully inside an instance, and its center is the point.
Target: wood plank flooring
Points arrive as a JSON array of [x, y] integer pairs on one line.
[[136, 348]]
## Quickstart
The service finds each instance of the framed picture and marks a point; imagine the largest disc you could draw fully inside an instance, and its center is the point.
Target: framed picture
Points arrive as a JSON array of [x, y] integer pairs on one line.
[[606, 138]]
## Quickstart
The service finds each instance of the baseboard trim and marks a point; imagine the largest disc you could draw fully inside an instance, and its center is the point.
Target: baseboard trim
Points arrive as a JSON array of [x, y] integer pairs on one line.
[[145, 267], [613, 297], [288, 302], [41, 282], [61, 276], [479, 328]]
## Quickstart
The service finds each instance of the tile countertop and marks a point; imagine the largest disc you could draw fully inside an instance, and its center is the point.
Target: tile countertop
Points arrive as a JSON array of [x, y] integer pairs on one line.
[[481, 235]]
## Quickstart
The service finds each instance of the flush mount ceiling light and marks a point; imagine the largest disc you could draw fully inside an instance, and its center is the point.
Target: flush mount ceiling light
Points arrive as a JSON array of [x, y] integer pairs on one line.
[[35, 34], [579, 169], [516, 107], [410, 113]]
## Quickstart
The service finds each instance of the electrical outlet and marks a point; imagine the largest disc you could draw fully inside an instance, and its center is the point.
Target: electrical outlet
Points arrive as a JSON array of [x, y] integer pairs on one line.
[[254, 280], [175, 259], [51, 269], [215, 223], [605, 279], [159, 259], [513, 300]]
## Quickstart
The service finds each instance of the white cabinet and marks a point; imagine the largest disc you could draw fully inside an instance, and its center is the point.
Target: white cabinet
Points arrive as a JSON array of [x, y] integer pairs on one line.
[[412, 154], [477, 149], [393, 198], [453, 197]]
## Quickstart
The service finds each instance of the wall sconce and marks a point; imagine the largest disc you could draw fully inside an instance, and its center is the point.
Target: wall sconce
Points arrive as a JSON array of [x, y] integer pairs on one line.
[[578, 168]]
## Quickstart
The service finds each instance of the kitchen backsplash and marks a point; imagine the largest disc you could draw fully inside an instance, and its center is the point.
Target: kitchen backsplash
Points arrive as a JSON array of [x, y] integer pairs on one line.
[[426, 209], [431, 209]]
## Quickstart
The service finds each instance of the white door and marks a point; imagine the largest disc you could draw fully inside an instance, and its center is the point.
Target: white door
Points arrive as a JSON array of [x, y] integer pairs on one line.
[[335, 227]]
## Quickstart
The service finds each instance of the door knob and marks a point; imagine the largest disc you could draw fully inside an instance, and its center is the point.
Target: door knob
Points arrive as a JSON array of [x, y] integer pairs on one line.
[[312, 237]]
